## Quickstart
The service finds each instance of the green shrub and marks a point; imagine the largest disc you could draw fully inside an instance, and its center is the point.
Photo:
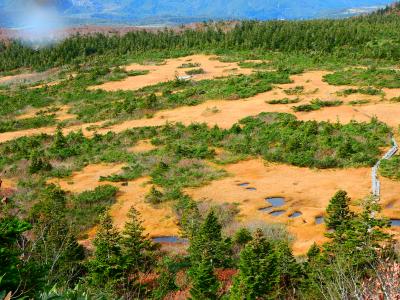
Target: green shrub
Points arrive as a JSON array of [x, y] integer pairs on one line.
[[189, 65], [379, 78], [155, 196], [255, 65], [185, 173], [283, 138], [306, 107], [359, 102], [365, 91], [35, 122], [395, 99], [317, 104], [137, 73], [131, 172], [89, 205], [38, 163], [195, 71], [284, 101], [390, 168], [294, 91]]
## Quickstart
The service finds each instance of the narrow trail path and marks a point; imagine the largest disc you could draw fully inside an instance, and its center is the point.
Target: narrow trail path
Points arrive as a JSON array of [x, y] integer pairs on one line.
[[376, 184]]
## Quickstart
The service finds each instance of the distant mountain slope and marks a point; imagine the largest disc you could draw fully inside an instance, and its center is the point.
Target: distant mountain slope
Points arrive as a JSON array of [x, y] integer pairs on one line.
[[134, 11], [392, 9]]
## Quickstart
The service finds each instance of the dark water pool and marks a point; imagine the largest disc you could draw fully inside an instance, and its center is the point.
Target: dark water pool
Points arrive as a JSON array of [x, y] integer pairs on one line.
[[395, 222], [276, 201], [244, 184], [169, 239], [251, 189], [266, 209], [319, 220], [277, 213], [296, 214]]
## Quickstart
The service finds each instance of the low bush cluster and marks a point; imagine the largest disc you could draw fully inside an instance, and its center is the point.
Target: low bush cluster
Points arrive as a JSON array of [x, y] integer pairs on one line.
[[317, 104]]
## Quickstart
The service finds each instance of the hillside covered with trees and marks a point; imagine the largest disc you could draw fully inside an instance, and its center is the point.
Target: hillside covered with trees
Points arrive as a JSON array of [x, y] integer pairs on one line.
[[374, 37], [58, 242]]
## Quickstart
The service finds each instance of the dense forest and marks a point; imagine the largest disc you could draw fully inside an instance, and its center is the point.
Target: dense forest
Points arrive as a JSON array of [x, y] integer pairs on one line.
[[374, 36], [42, 226]]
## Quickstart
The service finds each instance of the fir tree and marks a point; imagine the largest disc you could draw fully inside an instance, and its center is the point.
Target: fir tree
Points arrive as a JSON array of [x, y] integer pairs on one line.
[[138, 253], [12, 265], [338, 211], [363, 240], [38, 163], [204, 282], [106, 267], [258, 276], [55, 247], [208, 241], [242, 236], [59, 140], [189, 216], [167, 269], [290, 273], [313, 252]]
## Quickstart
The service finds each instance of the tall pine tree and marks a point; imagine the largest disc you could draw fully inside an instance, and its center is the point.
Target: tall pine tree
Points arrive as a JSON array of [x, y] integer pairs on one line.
[[204, 282], [258, 276], [106, 267], [138, 252], [208, 241], [12, 265], [338, 211], [55, 247]]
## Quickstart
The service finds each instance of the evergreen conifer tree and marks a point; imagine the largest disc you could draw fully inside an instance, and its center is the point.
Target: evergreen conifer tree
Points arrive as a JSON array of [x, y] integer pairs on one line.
[[338, 211], [138, 253], [106, 267], [208, 241], [55, 247], [204, 282], [12, 265], [137, 247], [258, 276], [363, 240], [313, 252]]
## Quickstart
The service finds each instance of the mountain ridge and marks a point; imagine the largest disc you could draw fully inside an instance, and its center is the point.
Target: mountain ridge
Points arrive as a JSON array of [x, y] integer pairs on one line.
[[185, 11]]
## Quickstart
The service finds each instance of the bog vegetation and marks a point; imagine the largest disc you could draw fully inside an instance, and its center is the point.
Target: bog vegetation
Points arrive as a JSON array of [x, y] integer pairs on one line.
[[40, 224]]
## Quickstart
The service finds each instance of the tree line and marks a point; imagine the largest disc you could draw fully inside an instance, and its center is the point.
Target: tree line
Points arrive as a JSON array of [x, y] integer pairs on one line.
[[373, 36]]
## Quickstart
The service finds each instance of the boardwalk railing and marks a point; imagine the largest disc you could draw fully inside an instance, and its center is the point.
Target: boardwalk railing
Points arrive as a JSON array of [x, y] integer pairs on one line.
[[376, 185]]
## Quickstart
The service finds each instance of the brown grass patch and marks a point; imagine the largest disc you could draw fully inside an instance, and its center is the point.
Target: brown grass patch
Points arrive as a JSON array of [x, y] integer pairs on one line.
[[304, 190], [158, 221], [142, 146], [61, 114], [167, 71]]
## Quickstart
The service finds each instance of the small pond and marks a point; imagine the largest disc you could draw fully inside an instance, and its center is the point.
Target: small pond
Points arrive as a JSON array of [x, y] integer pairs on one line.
[[170, 239], [277, 213], [395, 222], [244, 184], [276, 201], [266, 209], [296, 214], [251, 189], [319, 220]]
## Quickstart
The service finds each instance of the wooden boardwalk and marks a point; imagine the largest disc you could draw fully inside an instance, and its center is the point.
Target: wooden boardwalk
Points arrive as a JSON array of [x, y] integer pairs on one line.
[[376, 184]]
